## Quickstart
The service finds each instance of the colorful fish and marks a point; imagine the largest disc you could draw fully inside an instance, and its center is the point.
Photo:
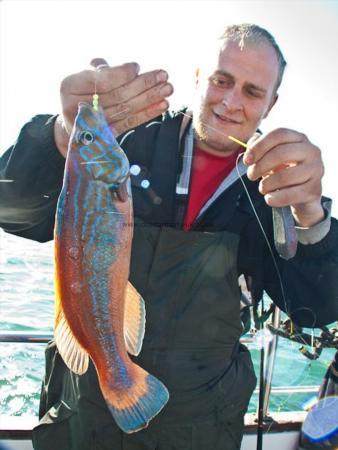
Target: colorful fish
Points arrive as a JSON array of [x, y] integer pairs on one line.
[[98, 312]]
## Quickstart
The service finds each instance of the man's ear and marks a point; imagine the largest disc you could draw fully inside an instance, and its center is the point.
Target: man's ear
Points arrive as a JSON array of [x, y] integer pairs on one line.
[[272, 103]]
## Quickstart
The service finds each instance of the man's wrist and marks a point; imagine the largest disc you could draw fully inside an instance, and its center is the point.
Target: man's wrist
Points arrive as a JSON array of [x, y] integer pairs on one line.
[[309, 214], [315, 233], [61, 136]]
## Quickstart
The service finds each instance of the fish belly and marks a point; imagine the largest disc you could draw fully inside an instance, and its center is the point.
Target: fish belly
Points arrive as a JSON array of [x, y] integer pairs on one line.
[[93, 246]]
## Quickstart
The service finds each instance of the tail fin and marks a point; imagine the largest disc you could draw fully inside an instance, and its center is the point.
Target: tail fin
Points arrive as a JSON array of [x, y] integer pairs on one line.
[[133, 407]]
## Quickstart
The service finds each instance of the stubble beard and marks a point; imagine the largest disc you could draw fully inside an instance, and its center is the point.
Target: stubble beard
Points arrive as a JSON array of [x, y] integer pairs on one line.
[[215, 140]]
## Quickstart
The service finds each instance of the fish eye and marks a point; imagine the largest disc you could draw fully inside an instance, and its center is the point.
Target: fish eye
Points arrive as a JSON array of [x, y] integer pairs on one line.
[[86, 137]]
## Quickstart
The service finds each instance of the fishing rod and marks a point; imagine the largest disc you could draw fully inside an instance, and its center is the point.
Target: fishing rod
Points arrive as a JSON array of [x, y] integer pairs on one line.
[[286, 241]]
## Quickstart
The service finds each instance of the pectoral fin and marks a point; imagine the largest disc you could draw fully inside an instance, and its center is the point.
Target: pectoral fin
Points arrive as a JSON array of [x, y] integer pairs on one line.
[[134, 320], [74, 356]]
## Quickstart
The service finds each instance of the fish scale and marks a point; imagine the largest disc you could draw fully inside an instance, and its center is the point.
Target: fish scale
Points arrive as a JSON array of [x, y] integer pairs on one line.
[[92, 251]]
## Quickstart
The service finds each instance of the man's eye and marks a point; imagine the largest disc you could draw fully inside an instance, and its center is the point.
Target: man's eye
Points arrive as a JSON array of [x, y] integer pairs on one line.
[[220, 82], [254, 93]]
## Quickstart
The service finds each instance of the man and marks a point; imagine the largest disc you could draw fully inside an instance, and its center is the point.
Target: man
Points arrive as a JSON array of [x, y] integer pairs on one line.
[[195, 233]]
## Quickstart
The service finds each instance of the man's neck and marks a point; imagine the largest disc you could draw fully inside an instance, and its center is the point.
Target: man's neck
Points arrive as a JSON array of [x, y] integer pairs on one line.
[[211, 151]]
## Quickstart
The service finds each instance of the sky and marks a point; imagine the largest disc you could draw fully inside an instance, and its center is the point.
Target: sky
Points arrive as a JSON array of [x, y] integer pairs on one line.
[[41, 42]]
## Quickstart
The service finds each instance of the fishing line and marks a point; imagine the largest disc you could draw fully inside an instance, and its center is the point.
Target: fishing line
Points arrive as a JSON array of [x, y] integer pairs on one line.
[[252, 206], [288, 312], [297, 382], [263, 232], [280, 281], [262, 382], [95, 102], [260, 428], [95, 95]]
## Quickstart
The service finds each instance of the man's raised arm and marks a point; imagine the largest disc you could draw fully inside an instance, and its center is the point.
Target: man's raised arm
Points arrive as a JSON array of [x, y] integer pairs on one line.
[[31, 170]]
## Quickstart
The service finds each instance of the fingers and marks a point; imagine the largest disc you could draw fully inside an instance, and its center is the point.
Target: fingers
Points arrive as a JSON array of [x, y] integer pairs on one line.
[[279, 149], [289, 176], [289, 166], [301, 195], [133, 120], [141, 100], [292, 185], [264, 144], [127, 98], [138, 94], [84, 83], [149, 83], [153, 96], [279, 157]]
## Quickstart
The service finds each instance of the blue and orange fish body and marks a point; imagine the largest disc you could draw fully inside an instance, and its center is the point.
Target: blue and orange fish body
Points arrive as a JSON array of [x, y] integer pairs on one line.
[[98, 313]]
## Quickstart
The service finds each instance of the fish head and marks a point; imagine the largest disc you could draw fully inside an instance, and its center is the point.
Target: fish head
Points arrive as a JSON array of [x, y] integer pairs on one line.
[[96, 151]]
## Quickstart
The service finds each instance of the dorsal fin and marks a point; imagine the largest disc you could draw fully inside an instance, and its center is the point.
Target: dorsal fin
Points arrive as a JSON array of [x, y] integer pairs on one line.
[[134, 320]]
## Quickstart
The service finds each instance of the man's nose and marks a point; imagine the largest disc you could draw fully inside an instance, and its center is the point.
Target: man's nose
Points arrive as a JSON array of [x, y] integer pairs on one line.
[[232, 100]]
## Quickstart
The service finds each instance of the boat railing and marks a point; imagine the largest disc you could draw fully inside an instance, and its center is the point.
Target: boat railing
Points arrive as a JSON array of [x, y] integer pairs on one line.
[[44, 338], [25, 337], [14, 429]]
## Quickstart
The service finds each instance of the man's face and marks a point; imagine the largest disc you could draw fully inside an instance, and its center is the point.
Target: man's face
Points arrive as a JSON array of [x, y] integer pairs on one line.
[[235, 97]]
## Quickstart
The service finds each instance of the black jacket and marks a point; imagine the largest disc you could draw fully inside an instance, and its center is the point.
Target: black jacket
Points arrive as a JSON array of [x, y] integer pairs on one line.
[[27, 209]]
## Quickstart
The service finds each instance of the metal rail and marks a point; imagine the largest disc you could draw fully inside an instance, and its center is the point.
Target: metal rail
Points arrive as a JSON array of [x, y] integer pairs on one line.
[[28, 338], [292, 389], [43, 338], [270, 359]]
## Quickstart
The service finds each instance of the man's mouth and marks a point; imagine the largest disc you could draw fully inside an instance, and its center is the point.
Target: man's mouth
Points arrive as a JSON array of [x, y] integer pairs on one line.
[[226, 119]]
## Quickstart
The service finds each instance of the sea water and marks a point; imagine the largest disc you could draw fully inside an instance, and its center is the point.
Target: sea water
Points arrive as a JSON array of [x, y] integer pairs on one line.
[[27, 305]]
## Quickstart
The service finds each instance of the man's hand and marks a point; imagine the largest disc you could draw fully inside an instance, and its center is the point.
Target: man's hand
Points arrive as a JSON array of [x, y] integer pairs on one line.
[[291, 170], [127, 98]]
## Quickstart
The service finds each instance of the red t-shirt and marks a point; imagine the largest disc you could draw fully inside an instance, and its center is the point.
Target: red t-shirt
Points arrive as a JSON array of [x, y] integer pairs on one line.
[[207, 173]]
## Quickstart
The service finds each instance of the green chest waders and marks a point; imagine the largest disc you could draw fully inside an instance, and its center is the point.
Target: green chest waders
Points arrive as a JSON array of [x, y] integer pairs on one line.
[[189, 283]]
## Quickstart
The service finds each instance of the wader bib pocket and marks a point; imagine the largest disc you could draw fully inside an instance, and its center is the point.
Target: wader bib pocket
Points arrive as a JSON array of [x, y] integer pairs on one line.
[[54, 431], [237, 385]]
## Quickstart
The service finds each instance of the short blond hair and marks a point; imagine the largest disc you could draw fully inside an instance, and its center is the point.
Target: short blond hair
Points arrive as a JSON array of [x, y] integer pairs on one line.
[[251, 33]]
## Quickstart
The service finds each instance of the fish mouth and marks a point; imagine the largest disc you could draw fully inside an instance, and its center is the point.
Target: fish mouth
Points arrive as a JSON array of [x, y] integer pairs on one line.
[[91, 116], [85, 106]]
